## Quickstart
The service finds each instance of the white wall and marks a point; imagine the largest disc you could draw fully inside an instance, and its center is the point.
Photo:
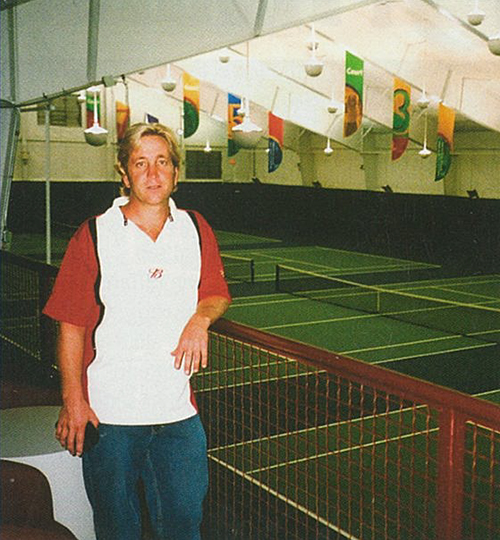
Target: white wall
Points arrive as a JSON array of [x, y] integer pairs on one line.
[[475, 163]]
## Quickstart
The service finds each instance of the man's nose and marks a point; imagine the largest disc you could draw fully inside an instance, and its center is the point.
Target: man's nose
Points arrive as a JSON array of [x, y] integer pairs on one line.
[[153, 170]]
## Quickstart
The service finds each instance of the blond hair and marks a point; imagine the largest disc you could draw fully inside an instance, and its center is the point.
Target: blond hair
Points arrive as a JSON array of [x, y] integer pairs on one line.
[[131, 139]]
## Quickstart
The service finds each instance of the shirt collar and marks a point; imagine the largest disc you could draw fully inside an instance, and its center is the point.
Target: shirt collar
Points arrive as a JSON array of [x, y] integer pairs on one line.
[[122, 201]]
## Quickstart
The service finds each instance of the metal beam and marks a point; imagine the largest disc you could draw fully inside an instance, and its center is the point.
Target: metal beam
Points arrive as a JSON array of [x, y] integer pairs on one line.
[[93, 39], [259, 18]]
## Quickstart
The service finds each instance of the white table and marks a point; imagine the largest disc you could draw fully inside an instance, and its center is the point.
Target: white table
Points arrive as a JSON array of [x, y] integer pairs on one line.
[[27, 436]]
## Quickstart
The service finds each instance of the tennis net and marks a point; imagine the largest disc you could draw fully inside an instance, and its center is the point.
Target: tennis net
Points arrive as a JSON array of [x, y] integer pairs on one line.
[[238, 268], [480, 321]]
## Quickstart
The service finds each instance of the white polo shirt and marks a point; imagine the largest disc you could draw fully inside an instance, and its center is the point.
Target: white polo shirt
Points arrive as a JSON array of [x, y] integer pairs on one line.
[[146, 291]]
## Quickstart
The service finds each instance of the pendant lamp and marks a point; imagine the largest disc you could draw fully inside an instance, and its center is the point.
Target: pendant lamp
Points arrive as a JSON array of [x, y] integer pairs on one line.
[[96, 135], [314, 66], [328, 151], [494, 44], [247, 134], [476, 16], [168, 83], [425, 152]]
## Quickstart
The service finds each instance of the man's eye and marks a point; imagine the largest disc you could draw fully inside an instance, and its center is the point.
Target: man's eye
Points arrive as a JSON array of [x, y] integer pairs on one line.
[[163, 162], [140, 164]]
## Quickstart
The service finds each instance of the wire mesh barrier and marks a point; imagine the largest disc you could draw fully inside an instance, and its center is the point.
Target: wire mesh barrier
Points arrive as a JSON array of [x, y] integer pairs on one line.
[[306, 444], [480, 321], [238, 268], [25, 287]]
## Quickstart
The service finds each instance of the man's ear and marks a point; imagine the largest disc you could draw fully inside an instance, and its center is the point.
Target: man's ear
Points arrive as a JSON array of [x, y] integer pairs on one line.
[[176, 176], [121, 171]]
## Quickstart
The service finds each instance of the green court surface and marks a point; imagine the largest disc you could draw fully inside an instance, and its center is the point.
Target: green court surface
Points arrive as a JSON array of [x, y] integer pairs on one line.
[[467, 347], [320, 259]]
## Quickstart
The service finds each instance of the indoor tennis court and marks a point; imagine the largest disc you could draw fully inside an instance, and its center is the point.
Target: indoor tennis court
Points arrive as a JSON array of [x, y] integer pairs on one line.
[[346, 155]]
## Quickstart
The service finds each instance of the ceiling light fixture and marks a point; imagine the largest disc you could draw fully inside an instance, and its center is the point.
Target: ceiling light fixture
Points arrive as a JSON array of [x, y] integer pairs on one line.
[[314, 66], [82, 97], [247, 134], [312, 42], [168, 83], [494, 44], [328, 151], [95, 135], [425, 152], [224, 57], [476, 16], [332, 106], [423, 101]]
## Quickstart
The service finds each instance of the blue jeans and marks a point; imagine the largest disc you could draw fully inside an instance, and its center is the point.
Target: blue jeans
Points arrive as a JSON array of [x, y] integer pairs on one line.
[[171, 460]]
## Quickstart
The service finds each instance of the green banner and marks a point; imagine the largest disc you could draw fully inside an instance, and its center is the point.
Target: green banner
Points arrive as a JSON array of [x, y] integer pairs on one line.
[[446, 127]]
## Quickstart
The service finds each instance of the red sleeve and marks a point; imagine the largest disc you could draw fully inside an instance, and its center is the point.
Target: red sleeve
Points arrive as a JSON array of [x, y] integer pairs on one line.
[[73, 298], [212, 280]]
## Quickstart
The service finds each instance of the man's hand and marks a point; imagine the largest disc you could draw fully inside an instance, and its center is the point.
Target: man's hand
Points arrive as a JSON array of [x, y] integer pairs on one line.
[[193, 345], [70, 429]]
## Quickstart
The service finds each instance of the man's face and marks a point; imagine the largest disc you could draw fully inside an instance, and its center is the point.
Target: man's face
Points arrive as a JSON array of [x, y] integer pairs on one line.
[[151, 176]]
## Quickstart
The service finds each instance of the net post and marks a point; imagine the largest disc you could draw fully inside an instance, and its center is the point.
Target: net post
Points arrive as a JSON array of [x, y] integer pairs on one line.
[[277, 279], [252, 271], [450, 481]]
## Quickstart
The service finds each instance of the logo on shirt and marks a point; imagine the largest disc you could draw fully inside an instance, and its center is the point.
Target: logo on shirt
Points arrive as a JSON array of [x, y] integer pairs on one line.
[[155, 273]]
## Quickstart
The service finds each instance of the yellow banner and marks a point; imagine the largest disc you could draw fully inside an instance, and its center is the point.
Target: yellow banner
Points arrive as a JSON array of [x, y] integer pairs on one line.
[[122, 119], [191, 104]]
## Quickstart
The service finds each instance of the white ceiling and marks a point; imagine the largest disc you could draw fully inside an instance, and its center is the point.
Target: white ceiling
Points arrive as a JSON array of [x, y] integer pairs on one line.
[[427, 43]]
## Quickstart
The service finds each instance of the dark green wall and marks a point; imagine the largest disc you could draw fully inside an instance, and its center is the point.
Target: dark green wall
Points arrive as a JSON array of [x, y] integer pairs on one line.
[[447, 230]]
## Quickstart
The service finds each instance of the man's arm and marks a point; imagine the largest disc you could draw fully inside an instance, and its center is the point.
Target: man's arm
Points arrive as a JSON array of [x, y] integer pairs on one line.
[[193, 343], [75, 412]]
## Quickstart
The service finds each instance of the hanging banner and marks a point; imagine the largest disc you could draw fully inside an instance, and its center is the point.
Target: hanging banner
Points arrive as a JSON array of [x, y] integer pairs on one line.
[[444, 144], [233, 119], [191, 104], [89, 106], [275, 142], [150, 119], [122, 119], [353, 96], [400, 118]]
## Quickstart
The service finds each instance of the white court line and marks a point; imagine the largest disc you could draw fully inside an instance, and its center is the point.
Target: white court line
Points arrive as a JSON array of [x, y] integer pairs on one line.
[[286, 499], [277, 258], [382, 315], [429, 340], [422, 355], [325, 427], [372, 444], [377, 256], [258, 381], [447, 281]]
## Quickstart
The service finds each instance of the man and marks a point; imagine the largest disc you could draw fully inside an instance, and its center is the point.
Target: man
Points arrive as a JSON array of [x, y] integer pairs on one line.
[[137, 291]]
